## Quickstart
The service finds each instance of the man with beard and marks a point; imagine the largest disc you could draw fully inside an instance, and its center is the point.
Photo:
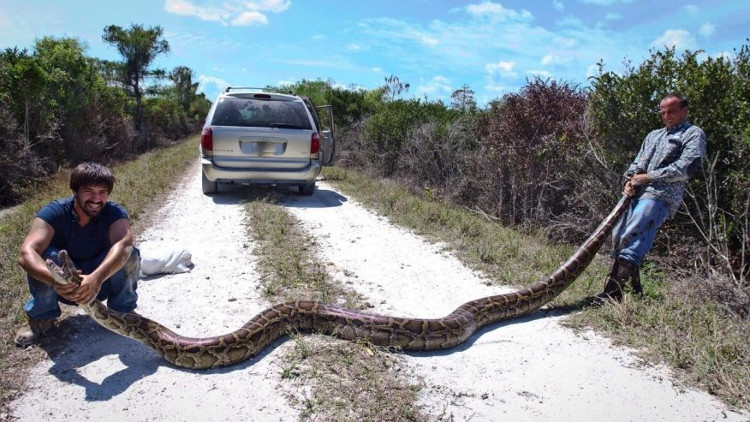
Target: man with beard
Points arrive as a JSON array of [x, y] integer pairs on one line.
[[96, 234]]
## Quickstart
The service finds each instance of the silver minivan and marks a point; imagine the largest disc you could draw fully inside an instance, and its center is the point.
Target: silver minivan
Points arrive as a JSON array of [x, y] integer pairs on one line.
[[255, 136]]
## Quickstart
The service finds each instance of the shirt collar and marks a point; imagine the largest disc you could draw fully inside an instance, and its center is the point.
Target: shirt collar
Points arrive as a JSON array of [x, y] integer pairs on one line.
[[679, 127]]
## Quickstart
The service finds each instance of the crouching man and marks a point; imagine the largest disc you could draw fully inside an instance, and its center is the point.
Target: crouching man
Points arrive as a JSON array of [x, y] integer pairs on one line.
[[96, 234]]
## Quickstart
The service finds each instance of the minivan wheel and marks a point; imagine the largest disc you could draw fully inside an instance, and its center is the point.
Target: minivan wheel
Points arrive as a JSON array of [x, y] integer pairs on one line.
[[307, 189], [208, 186]]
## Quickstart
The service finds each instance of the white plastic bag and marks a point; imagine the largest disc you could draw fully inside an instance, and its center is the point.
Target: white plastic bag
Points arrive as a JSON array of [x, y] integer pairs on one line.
[[165, 262]]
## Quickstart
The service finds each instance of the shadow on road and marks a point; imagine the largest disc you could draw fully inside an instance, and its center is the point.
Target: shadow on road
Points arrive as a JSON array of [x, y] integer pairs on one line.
[[79, 342], [286, 196]]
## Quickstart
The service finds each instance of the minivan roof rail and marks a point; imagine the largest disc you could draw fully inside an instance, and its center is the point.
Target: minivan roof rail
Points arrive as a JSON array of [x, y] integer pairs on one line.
[[250, 88]]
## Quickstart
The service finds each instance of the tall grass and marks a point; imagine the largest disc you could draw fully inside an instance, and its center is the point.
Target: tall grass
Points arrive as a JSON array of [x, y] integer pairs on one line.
[[706, 346], [506, 255]]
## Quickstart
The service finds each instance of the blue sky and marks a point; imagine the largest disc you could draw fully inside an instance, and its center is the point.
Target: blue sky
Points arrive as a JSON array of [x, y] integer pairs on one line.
[[436, 46]]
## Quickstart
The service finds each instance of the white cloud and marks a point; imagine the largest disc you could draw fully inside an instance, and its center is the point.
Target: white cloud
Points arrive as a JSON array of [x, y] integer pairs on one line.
[[692, 9], [499, 67], [592, 70], [570, 21], [353, 47], [678, 38], [429, 41], [437, 87], [613, 16], [497, 88], [466, 40], [397, 31], [230, 12], [558, 5], [248, 18], [540, 73], [554, 59], [377, 69], [211, 85], [605, 2], [496, 11], [707, 29]]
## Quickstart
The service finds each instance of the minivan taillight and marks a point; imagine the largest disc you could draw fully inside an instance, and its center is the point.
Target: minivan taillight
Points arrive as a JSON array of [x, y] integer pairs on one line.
[[207, 139], [314, 143]]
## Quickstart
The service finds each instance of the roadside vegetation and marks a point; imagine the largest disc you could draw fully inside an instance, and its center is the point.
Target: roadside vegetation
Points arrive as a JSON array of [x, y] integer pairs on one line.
[[332, 379], [59, 107], [672, 324]]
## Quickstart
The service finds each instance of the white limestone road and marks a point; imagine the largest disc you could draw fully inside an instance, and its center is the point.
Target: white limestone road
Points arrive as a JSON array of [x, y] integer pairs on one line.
[[529, 369]]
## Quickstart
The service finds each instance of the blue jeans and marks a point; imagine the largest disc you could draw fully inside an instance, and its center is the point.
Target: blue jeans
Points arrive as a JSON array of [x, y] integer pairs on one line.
[[633, 236], [119, 290]]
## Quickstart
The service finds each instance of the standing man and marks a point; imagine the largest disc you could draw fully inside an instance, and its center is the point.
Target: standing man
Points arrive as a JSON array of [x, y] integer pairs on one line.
[[656, 182], [96, 233]]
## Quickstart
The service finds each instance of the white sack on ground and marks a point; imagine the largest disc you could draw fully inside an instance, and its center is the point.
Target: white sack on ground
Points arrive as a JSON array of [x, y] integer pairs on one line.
[[173, 261]]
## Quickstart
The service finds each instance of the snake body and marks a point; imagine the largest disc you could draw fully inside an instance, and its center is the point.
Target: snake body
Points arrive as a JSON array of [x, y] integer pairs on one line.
[[316, 316]]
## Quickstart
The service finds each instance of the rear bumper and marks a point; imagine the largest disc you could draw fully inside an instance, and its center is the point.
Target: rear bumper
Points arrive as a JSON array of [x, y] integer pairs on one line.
[[260, 176]]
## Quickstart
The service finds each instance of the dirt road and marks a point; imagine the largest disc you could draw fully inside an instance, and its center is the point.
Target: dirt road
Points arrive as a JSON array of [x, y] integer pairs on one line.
[[530, 369]]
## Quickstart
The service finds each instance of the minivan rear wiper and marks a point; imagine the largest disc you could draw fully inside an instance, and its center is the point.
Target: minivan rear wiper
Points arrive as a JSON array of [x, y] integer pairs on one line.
[[285, 126]]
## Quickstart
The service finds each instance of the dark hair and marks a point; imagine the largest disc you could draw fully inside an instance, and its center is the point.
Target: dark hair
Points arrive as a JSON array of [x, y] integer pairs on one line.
[[683, 99], [89, 174]]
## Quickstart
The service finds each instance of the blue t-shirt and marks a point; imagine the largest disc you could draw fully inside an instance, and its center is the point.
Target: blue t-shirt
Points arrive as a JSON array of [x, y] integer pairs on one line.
[[82, 243]]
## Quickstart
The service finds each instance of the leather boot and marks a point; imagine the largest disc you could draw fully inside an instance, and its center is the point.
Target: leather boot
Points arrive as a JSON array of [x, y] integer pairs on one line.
[[30, 332], [612, 289], [628, 271], [635, 281], [622, 272]]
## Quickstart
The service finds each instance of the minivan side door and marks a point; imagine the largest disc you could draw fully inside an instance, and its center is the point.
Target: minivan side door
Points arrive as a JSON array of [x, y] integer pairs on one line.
[[327, 140], [325, 130]]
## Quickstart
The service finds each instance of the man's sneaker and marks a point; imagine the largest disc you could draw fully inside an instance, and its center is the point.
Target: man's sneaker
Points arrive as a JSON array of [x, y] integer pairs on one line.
[[30, 332]]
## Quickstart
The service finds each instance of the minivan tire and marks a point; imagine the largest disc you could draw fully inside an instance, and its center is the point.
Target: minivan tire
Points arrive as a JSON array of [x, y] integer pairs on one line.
[[307, 189], [209, 187]]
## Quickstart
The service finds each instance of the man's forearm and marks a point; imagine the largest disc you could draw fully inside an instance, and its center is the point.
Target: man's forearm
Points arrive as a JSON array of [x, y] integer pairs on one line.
[[114, 260], [33, 264]]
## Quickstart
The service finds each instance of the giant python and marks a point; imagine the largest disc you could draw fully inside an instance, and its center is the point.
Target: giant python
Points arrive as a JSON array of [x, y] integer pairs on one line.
[[316, 316]]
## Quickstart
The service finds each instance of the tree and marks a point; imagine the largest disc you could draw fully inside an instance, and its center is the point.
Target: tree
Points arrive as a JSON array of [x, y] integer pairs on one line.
[[24, 77], [533, 138], [139, 47], [463, 99], [394, 87], [184, 87]]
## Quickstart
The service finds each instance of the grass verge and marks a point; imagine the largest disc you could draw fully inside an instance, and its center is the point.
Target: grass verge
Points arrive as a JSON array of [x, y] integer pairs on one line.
[[705, 346], [332, 379], [140, 184]]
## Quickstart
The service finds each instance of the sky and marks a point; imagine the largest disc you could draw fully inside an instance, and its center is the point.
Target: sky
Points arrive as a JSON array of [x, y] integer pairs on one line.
[[436, 46]]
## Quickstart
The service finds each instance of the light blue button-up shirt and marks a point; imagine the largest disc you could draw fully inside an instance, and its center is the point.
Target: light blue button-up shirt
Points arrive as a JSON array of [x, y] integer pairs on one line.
[[670, 157]]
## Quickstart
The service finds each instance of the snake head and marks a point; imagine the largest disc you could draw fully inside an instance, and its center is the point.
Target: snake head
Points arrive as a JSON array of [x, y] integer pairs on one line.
[[68, 273]]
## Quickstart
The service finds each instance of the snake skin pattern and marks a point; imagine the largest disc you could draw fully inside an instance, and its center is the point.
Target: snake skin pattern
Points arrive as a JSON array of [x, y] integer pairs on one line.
[[315, 316]]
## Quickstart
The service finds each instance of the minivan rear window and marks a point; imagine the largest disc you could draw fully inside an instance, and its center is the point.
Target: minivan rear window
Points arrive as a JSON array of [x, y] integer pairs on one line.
[[251, 112]]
